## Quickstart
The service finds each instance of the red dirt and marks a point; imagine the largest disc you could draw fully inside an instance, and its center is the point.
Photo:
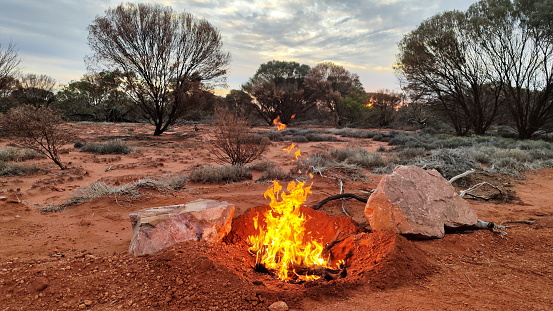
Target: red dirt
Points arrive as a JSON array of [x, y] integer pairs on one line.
[[77, 259]]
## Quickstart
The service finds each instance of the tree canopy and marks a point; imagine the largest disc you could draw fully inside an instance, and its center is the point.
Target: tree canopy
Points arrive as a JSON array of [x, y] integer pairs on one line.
[[471, 63], [330, 84], [163, 56], [279, 92]]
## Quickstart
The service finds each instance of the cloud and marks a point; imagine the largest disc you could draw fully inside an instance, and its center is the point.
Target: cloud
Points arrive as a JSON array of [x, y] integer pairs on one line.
[[361, 35]]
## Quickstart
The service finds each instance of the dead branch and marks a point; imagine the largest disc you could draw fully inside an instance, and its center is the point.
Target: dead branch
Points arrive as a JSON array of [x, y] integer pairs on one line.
[[520, 221], [469, 190], [344, 210], [454, 178], [339, 196]]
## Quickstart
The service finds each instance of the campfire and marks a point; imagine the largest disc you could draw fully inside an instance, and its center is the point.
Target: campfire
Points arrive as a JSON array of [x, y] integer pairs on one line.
[[283, 247]]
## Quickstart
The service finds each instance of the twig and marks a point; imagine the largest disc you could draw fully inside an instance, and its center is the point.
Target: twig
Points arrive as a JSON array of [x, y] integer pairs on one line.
[[341, 184], [467, 192], [454, 178], [339, 196], [470, 282], [521, 221]]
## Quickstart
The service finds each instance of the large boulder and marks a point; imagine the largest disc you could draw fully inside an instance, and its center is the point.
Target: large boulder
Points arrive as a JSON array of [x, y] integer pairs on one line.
[[417, 202], [159, 227]]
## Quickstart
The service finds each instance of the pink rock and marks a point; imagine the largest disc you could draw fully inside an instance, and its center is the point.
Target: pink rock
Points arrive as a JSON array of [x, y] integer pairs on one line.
[[417, 202], [159, 227]]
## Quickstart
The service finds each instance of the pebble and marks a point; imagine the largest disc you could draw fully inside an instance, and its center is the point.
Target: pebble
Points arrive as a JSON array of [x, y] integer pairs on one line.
[[278, 306]]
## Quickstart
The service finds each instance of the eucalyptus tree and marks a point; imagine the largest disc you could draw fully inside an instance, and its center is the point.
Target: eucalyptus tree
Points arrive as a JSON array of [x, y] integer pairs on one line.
[[440, 59], [330, 84], [35, 90], [164, 56], [518, 38], [278, 89]]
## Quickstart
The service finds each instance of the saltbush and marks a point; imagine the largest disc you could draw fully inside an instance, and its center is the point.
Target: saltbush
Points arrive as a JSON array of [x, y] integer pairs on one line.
[[219, 174]]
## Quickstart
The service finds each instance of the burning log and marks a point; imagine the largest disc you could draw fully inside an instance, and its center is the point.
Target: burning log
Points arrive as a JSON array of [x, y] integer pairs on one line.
[[303, 274]]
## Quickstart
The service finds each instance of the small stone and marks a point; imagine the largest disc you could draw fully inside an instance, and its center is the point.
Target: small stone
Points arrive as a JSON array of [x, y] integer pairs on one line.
[[278, 306], [88, 302], [39, 284]]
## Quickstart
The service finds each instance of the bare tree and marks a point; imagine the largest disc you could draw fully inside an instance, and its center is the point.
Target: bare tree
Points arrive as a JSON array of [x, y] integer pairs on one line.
[[232, 140], [163, 55], [9, 60], [38, 128], [330, 84]]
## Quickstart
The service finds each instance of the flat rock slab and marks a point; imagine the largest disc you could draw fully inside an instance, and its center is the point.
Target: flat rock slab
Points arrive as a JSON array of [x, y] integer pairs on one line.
[[417, 202], [159, 227]]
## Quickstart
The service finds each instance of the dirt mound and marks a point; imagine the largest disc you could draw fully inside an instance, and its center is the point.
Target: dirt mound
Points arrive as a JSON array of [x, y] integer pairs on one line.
[[383, 259]]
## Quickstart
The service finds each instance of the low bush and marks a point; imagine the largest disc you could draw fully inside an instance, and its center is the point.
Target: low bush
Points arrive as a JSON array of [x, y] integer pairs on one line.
[[219, 174], [115, 146], [411, 153], [323, 165], [14, 154], [274, 173], [353, 133], [261, 166], [358, 156], [9, 169]]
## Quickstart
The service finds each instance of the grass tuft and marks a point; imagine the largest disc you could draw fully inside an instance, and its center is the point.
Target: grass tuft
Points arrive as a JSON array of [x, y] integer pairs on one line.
[[220, 174], [115, 146]]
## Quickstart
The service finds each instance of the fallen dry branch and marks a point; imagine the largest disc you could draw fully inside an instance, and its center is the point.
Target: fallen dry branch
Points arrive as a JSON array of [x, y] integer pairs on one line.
[[520, 221], [338, 197], [471, 189], [480, 224]]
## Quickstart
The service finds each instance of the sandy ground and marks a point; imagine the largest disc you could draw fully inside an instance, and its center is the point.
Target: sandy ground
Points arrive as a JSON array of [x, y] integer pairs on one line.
[[77, 258]]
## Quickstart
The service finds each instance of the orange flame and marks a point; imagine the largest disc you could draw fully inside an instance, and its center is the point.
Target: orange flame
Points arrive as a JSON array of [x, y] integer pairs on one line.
[[289, 148], [280, 245], [280, 126]]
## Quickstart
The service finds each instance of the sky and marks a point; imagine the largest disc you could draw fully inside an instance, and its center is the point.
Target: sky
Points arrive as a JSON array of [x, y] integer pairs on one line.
[[361, 35]]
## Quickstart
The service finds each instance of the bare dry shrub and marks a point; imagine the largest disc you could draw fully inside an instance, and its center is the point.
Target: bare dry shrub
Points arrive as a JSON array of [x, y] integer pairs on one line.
[[38, 128], [232, 140]]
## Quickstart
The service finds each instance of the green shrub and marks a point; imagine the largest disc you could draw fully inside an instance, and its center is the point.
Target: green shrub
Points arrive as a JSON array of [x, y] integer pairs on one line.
[[115, 146], [220, 174]]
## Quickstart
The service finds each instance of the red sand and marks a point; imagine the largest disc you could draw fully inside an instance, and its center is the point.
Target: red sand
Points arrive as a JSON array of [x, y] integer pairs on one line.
[[77, 259]]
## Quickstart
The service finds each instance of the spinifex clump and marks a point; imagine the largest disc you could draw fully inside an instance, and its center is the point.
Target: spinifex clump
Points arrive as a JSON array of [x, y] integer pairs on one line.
[[282, 247]]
